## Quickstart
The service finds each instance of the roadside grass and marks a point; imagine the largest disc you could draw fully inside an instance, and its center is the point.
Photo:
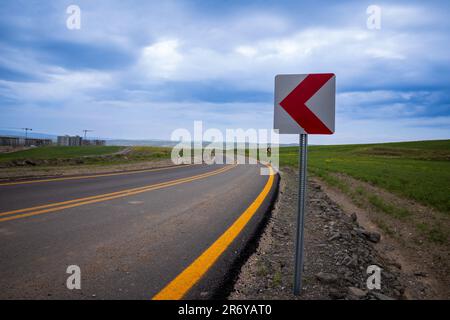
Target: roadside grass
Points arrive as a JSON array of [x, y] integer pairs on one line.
[[417, 170], [52, 152], [380, 204], [85, 155], [149, 153], [433, 233], [384, 226], [277, 279], [359, 194], [330, 179]]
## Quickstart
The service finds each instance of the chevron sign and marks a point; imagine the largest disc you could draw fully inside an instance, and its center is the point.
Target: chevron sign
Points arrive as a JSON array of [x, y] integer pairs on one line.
[[305, 103]]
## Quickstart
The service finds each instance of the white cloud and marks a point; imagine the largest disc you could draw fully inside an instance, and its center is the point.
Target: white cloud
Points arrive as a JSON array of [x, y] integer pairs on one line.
[[352, 53], [247, 51], [383, 104], [408, 16], [161, 59], [383, 53], [60, 85]]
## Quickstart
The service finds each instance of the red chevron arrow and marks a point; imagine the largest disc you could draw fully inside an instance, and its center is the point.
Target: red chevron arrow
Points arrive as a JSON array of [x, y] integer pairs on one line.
[[295, 103]]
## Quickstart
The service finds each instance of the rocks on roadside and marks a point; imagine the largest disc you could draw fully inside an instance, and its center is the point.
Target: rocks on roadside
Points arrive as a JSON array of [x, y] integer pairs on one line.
[[327, 277], [356, 292], [374, 237], [334, 236], [29, 162], [371, 236], [337, 294], [380, 296]]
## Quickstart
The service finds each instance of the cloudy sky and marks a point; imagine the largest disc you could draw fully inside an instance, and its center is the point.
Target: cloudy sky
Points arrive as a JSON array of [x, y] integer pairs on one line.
[[140, 69]]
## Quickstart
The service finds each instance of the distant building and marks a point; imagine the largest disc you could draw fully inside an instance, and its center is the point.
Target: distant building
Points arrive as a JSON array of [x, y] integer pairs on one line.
[[69, 141], [62, 140], [100, 142], [12, 141], [78, 141], [94, 142], [38, 142]]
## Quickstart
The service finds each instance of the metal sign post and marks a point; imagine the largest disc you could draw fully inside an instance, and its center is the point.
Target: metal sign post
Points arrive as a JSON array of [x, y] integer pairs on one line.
[[302, 166], [304, 104]]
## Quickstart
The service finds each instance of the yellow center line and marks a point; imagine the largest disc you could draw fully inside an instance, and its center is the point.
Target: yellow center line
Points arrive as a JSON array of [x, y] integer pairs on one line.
[[92, 176], [179, 286], [88, 200]]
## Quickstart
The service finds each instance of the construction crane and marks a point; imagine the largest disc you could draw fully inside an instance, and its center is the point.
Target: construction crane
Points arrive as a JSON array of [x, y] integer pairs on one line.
[[86, 131], [26, 134], [12, 128], [26, 131]]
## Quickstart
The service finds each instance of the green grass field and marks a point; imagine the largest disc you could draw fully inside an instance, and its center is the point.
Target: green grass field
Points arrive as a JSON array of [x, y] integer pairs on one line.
[[149, 153], [100, 155], [53, 152], [417, 170]]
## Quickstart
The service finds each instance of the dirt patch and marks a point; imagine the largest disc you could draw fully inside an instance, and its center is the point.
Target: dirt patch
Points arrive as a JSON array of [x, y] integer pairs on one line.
[[406, 232], [338, 252]]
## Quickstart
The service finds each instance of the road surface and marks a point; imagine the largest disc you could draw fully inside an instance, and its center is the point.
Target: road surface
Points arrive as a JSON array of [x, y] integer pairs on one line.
[[166, 233]]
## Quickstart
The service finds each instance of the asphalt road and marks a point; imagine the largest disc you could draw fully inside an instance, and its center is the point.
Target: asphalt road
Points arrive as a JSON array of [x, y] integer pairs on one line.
[[168, 234]]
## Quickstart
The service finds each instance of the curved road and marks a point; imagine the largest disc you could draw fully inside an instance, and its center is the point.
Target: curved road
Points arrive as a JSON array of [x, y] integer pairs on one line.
[[166, 233]]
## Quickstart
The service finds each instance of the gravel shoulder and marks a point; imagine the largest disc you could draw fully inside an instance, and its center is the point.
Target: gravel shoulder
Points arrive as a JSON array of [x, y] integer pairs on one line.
[[338, 251]]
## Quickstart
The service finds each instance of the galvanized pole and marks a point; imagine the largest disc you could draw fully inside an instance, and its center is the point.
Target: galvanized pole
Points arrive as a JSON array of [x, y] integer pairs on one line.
[[302, 165]]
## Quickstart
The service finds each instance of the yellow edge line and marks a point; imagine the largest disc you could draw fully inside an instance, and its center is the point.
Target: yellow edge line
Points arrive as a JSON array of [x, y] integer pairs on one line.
[[120, 194], [179, 286], [91, 176]]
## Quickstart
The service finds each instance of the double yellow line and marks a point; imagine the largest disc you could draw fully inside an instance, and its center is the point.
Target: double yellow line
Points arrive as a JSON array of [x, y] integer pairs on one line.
[[32, 211]]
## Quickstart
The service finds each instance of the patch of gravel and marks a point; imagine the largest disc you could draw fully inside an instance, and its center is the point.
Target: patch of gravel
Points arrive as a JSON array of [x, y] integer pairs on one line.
[[337, 253]]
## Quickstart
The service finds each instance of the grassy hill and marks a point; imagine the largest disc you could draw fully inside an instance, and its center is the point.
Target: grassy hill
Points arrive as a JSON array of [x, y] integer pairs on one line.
[[418, 170]]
